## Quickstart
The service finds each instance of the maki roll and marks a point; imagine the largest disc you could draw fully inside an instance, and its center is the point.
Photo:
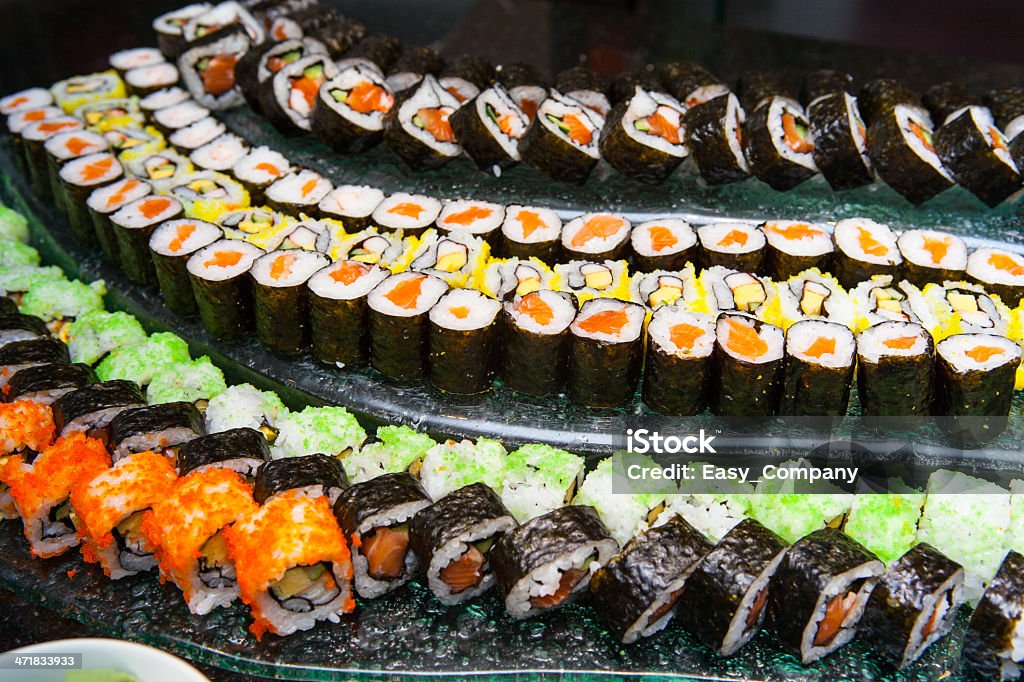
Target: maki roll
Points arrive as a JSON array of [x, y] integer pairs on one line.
[[414, 62], [351, 109], [133, 58], [880, 96], [663, 245], [489, 128], [691, 84], [536, 341], [479, 218], [453, 539], [750, 361], [977, 155], [643, 137], [379, 49], [822, 83], [34, 137], [757, 88], [661, 288], [24, 100], [724, 598], [960, 308], [932, 256], [504, 279], [879, 300], [312, 476], [178, 116], [840, 141], [45, 383], [60, 149], [338, 317], [208, 71], [991, 641], [168, 28], [563, 140], [91, 408], [818, 369], [1007, 105], [72, 93], [1000, 272], [288, 97], [778, 144], [420, 132], [78, 178], [895, 369], [679, 367], [589, 279], [225, 18], [793, 247], [133, 225], [410, 213], [170, 246], [161, 99], [465, 75], [944, 99], [258, 169], [636, 592], [197, 135], [596, 236], [368, 246], [298, 192], [901, 149], [820, 591], [914, 604], [352, 205], [398, 309], [144, 80], [720, 289], [606, 352], [529, 232], [280, 302], [737, 246], [220, 154], [547, 561], [156, 428], [15, 327], [17, 123], [17, 355], [222, 288], [864, 249], [375, 515], [462, 340], [256, 69], [242, 450], [584, 86]]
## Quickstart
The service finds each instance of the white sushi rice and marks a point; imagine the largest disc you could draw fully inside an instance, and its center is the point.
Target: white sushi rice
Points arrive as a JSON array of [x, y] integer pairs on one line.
[[261, 166], [171, 23], [549, 228], [366, 586], [160, 75], [429, 95], [596, 243], [431, 291], [292, 101], [544, 580], [905, 117], [368, 246], [857, 128], [868, 572], [166, 97], [39, 131], [72, 173], [816, 240], [505, 108], [232, 44], [351, 201], [941, 605], [721, 286], [849, 233], [39, 535], [286, 622], [135, 57], [955, 351], [643, 243], [464, 310], [392, 213], [325, 285], [986, 125], [665, 319], [723, 238], [473, 217], [301, 188], [630, 331], [74, 144], [982, 266], [1014, 128], [297, 265], [804, 334], [24, 100], [646, 103], [459, 88], [180, 115], [563, 313], [914, 248], [19, 121], [220, 154], [202, 263], [243, 406], [871, 343], [663, 287], [595, 102], [558, 105], [347, 79], [772, 336], [112, 197], [198, 134], [224, 13], [733, 125]]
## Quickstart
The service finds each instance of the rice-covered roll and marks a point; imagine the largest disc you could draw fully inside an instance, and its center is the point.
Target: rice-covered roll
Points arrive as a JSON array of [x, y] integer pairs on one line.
[[413, 214], [65, 147], [156, 428], [242, 450], [895, 369], [663, 245], [548, 561], [932, 256], [293, 564], [818, 369], [375, 515], [168, 28], [479, 218], [76, 91], [222, 288], [398, 309], [298, 192], [778, 144], [991, 643], [901, 149], [606, 352], [489, 128], [133, 226], [171, 245], [840, 141], [143, 80], [529, 232], [28, 351], [864, 248], [420, 132], [351, 110], [720, 289], [351, 204], [279, 298], [179, 116], [244, 406], [159, 167], [563, 141], [27, 429], [91, 408], [220, 154], [536, 341], [596, 236], [976, 153], [644, 136], [662, 288], [259, 169], [288, 97], [795, 246], [750, 360], [588, 279], [462, 341], [679, 366], [208, 71], [737, 246], [78, 178], [338, 311], [34, 137], [315, 475], [45, 383], [389, 250], [24, 100]]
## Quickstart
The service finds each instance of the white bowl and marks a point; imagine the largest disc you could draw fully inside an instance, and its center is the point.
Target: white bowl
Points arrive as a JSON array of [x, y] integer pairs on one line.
[[145, 662]]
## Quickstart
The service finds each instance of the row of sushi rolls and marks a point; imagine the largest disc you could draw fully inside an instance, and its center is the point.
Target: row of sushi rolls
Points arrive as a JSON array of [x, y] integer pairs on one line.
[[120, 443]]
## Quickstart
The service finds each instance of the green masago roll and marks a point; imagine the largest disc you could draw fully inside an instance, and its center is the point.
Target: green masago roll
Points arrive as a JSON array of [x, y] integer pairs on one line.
[[94, 335], [139, 362]]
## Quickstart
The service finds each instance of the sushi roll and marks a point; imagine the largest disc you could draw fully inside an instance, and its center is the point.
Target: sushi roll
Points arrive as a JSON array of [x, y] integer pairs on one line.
[[208, 71], [586, 87], [589, 279], [222, 288], [109, 509], [932, 256], [243, 406], [338, 317], [663, 245], [606, 352], [879, 97], [351, 110], [864, 249], [536, 341], [107, 113], [258, 169], [818, 369], [256, 69], [298, 192], [168, 28], [679, 370], [990, 643], [242, 450], [952, 308], [162, 166], [914, 604], [691, 84], [197, 135], [219, 154], [977, 155], [288, 97], [280, 302], [529, 232], [596, 236], [34, 137], [413, 63], [451, 465], [156, 428], [661, 288], [133, 225], [224, 18], [134, 58], [1007, 106], [901, 149], [398, 309], [17, 123], [379, 49], [757, 88], [822, 83], [178, 116], [489, 128], [778, 144], [504, 279], [644, 136], [625, 84], [352, 205], [161, 99], [375, 516], [840, 141], [465, 75], [25, 351], [895, 369], [750, 360], [170, 246], [818, 595], [45, 383], [478, 218], [1000, 272], [63, 148], [368, 246], [880, 299], [144, 80], [24, 100], [538, 479], [315, 475], [462, 341], [547, 561], [205, 193], [793, 247], [563, 141], [420, 131], [79, 177], [410, 213], [737, 246], [944, 99], [77, 91]]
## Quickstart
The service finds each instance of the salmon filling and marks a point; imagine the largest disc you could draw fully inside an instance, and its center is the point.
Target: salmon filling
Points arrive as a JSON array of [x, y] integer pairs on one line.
[[839, 607], [796, 134], [365, 97], [868, 243], [435, 121], [574, 128], [597, 227], [537, 308], [609, 322], [384, 549], [275, 64], [304, 89], [530, 221], [1006, 263], [756, 608], [406, 293], [468, 570], [661, 238], [566, 584], [218, 73], [663, 123], [744, 341]]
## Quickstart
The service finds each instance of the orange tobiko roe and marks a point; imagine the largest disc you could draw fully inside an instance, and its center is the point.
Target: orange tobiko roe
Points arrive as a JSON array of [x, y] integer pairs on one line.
[[25, 424]]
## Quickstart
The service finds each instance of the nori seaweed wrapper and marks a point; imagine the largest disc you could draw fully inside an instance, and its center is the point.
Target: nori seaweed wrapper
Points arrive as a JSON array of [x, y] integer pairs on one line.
[[417, 154], [51, 377], [246, 73], [508, 248], [814, 390], [942, 99], [78, 211], [650, 563], [920, 274], [274, 110], [340, 37], [22, 322], [475, 138], [379, 48], [7, 307], [41, 350], [676, 385], [104, 230], [1005, 104], [850, 271], [680, 79], [310, 19], [453, 515], [578, 78], [56, 185], [95, 397], [603, 374], [175, 287], [225, 306], [133, 249], [282, 317], [398, 345], [624, 85], [706, 138], [460, 361], [339, 133], [38, 177], [542, 540], [751, 261], [153, 418], [968, 155], [375, 496], [670, 261], [754, 88], [278, 475], [898, 599], [824, 82], [723, 578], [543, 149], [991, 629], [746, 389], [973, 406], [630, 157], [1017, 153], [809, 565], [518, 73], [781, 265], [878, 98], [473, 68], [897, 386], [222, 447], [835, 149], [534, 364], [339, 330], [899, 166], [766, 162], [417, 59]]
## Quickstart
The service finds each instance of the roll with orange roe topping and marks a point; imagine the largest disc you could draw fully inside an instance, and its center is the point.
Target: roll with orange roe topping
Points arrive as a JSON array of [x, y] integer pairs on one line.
[[26, 428]]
